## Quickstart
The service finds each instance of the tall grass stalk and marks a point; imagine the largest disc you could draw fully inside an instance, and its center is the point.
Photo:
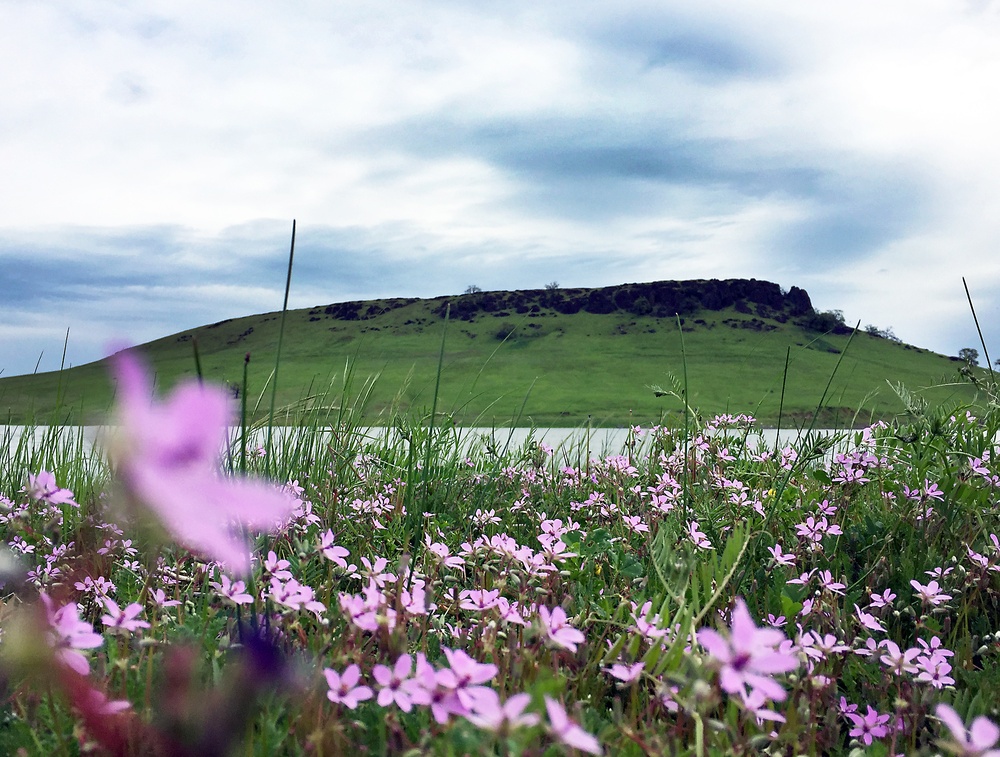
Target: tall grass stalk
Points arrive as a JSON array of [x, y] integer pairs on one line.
[[281, 336], [982, 340]]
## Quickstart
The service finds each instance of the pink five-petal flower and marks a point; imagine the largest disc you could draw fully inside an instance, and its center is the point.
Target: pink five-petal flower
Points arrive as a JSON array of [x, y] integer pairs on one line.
[[344, 688], [749, 656], [43, 488], [977, 741], [167, 458], [68, 633], [234, 591], [395, 683], [930, 594], [869, 726], [568, 731], [123, 618], [868, 620], [558, 629], [464, 676], [428, 688], [490, 715], [626, 673], [160, 599]]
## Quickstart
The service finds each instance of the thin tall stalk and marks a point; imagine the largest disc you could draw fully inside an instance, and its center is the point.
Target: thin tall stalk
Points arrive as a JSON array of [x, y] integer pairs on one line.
[[277, 356], [979, 331]]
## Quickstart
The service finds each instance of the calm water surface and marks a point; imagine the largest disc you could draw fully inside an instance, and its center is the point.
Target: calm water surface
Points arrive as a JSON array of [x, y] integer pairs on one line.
[[598, 441]]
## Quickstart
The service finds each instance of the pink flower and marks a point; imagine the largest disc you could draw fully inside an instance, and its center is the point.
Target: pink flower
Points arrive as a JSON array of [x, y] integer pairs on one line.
[[124, 619], [626, 673], [427, 689], [749, 656], [490, 715], [868, 621], [43, 488], [568, 731], [167, 458], [68, 633], [479, 600], [331, 551], [781, 558], [395, 684], [899, 662], [930, 594], [697, 536], [235, 592], [977, 741], [558, 629], [277, 568], [884, 599], [160, 599], [464, 676], [344, 688], [869, 726]]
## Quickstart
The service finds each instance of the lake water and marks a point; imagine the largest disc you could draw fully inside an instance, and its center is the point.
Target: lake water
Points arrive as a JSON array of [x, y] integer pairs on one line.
[[598, 441]]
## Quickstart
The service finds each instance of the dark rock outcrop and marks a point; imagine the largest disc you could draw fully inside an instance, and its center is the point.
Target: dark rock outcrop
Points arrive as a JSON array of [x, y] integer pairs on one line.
[[660, 299]]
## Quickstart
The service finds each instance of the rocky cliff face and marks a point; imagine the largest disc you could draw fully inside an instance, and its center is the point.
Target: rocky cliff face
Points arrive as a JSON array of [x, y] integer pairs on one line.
[[662, 299]]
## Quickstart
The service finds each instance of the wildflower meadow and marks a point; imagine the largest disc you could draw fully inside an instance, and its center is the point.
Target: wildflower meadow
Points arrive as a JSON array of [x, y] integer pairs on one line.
[[190, 586]]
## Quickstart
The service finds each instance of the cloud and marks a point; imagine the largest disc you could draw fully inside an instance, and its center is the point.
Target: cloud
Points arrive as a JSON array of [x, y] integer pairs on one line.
[[158, 153]]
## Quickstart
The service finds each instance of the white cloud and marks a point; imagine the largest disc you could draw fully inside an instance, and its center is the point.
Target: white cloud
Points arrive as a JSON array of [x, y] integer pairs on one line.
[[849, 148]]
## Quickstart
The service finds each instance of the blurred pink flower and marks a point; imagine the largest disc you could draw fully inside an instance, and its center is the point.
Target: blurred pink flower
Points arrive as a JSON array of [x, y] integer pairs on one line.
[[43, 488], [749, 656], [568, 731], [626, 673], [977, 741], [167, 458], [68, 634], [490, 715]]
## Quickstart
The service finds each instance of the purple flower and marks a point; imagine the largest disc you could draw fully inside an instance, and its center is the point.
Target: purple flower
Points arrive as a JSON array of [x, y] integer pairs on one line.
[[167, 458], [748, 656], [344, 688], [977, 741]]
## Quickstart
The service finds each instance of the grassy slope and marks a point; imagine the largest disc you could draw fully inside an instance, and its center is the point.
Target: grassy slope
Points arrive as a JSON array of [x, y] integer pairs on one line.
[[568, 367]]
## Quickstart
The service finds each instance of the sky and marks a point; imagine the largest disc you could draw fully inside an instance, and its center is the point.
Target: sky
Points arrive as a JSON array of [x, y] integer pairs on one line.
[[154, 155]]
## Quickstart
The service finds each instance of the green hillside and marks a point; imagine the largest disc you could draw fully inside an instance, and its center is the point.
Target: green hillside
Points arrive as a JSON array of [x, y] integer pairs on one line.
[[551, 357]]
